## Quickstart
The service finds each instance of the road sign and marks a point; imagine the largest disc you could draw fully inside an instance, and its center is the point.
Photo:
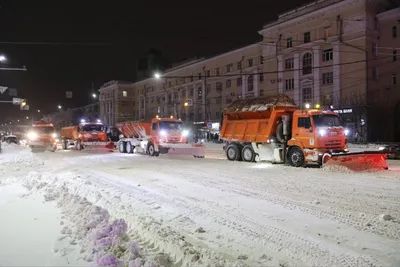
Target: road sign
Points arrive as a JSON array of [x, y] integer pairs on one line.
[[190, 102], [3, 89], [17, 101]]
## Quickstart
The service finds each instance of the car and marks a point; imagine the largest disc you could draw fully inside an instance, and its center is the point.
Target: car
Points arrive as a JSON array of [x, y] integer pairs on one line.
[[11, 139], [393, 149]]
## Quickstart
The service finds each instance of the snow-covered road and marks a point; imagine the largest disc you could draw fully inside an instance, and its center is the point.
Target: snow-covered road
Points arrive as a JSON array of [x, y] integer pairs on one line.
[[186, 211]]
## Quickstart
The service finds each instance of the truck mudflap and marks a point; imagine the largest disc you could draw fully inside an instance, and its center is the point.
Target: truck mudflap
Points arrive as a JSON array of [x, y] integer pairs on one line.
[[357, 161], [196, 150]]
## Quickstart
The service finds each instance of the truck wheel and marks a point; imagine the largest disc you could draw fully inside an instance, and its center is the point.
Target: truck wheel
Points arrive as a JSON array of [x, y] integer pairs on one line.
[[150, 149], [248, 153], [129, 148], [296, 157], [122, 147], [233, 152]]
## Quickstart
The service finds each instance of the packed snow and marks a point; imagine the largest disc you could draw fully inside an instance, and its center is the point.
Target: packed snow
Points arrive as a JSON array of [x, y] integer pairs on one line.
[[77, 208]]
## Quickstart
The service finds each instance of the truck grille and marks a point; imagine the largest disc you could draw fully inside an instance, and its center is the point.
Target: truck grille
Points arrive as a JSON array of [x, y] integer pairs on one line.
[[173, 140], [333, 143]]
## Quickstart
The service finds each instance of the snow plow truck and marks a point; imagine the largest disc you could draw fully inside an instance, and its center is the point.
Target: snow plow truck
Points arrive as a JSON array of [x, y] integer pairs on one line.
[[275, 129], [42, 136], [86, 135], [159, 136]]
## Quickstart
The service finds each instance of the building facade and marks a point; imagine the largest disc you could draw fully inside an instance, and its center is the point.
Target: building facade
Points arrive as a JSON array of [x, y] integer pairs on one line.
[[338, 54], [327, 53], [118, 102]]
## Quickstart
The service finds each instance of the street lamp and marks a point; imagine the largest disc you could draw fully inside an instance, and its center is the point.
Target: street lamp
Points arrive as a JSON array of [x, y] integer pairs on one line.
[[157, 75], [2, 58], [59, 107], [94, 95], [27, 118], [38, 110]]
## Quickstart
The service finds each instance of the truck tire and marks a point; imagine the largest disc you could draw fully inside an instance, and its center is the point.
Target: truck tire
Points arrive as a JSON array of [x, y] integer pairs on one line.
[[122, 147], [129, 148], [65, 145], [248, 153], [151, 150], [296, 157], [233, 152]]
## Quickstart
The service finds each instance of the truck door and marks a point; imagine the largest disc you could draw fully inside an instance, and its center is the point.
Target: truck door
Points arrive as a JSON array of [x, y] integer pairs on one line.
[[154, 129], [304, 132]]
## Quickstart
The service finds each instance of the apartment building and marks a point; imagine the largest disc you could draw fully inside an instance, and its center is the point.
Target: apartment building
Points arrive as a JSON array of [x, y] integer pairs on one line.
[[117, 102], [320, 53], [196, 91]]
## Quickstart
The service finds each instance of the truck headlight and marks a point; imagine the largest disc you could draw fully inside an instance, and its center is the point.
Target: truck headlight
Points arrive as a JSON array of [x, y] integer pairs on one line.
[[185, 133], [322, 132], [163, 133], [54, 135], [32, 135], [346, 132]]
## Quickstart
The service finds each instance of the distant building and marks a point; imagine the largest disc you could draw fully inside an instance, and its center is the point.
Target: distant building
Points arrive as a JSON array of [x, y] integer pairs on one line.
[[148, 65], [117, 102]]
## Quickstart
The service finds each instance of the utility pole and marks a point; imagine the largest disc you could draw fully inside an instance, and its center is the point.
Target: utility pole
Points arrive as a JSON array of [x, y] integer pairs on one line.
[[206, 116]]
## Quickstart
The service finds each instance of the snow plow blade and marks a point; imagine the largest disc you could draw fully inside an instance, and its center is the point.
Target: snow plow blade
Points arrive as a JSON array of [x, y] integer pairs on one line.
[[358, 161], [196, 150]]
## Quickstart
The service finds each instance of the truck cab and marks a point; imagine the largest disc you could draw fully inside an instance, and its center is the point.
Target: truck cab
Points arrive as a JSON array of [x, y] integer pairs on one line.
[[41, 135], [92, 132], [168, 130]]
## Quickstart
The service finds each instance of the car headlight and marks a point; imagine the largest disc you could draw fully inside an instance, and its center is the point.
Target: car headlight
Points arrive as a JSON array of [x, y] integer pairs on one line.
[[54, 135], [163, 133], [32, 135], [322, 132], [185, 133]]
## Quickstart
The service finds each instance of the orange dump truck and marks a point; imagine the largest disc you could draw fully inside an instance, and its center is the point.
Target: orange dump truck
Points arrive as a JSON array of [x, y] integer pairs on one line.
[[159, 136], [275, 129], [84, 135], [42, 136]]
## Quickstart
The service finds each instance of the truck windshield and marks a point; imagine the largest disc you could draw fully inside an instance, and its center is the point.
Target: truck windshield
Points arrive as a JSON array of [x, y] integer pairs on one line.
[[171, 125], [326, 120], [43, 130], [92, 127]]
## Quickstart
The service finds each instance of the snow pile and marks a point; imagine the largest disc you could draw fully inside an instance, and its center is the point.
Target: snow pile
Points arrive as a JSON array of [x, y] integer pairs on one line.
[[104, 242], [13, 157]]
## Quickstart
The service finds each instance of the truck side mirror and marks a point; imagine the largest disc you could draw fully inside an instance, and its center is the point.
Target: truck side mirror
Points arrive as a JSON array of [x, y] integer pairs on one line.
[[310, 129]]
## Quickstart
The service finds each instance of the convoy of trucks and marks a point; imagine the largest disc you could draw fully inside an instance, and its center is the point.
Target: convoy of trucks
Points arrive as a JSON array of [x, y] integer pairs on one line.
[[158, 136], [275, 129]]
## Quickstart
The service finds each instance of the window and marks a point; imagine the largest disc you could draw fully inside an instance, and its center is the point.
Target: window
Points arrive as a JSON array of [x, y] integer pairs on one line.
[[307, 63], [239, 65], [327, 32], [289, 42], [394, 55], [228, 99], [327, 78], [208, 88], [208, 73], [289, 64], [394, 79], [261, 60], [327, 100], [394, 31], [154, 126], [261, 92], [289, 84], [218, 86], [228, 67], [124, 93], [191, 78], [307, 95], [261, 77], [327, 55], [250, 83], [191, 92], [304, 122], [199, 76], [239, 82], [307, 37], [374, 49], [218, 100], [375, 73], [217, 71], [250, 62], [228, 83]]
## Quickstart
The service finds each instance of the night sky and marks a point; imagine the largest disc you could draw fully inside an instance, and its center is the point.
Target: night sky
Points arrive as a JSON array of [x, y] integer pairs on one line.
[[118, 34]]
